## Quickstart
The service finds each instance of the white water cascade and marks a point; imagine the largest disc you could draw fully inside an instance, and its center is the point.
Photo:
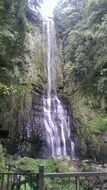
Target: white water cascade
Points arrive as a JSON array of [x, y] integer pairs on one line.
[[56, 118]]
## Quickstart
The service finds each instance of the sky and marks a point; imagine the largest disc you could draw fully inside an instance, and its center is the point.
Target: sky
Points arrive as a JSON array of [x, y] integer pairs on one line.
[[48, 7]]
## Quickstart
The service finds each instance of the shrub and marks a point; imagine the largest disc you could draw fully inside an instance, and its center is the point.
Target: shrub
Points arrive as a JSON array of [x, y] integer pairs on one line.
[[99, 124], [2, 160]]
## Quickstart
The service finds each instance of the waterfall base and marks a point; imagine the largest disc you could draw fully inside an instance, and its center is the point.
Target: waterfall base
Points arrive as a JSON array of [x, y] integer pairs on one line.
[[38, 140], [58, 127]]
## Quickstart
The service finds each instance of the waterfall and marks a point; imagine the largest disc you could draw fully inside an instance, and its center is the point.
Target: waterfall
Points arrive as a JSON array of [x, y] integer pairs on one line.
[[56, 119]]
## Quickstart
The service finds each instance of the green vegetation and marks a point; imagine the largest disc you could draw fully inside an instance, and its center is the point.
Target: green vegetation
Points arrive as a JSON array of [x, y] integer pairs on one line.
[[13, 29], [96, 131], [83, 32], [2, 161], [81, 28], [96, 138], [12, 33], [100, 123], [50, 165], [12, 36], [14, 66]]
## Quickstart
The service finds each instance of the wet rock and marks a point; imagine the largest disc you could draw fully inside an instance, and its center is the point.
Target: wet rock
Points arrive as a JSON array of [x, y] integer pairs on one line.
[[32, 138], [4, 133]]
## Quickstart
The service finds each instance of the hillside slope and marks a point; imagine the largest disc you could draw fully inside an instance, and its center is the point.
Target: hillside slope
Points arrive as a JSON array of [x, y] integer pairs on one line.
[[81, 29]]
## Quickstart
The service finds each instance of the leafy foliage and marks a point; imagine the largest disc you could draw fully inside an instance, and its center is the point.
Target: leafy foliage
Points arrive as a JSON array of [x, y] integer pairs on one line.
[[100, 123], [83, 32], [2, 160], [50, 165], [12, 35], [5, 90]]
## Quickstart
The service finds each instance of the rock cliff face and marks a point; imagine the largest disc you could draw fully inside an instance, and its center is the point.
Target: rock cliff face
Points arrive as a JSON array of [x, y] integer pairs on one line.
[[18, 83], [25, 134], [32, 140]]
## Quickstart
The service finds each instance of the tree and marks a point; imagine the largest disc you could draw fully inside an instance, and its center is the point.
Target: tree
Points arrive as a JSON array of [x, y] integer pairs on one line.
[[83, 33]]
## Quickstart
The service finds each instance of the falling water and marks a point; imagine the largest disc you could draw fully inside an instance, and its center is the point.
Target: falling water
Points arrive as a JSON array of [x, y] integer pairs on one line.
[[56, 118], [46, 112]]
